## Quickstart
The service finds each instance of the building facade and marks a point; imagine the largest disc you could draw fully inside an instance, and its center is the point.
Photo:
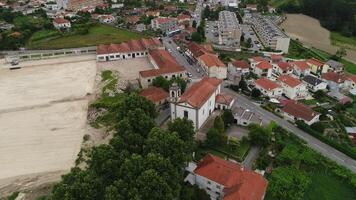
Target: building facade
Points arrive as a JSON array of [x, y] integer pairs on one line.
[[229, 29]]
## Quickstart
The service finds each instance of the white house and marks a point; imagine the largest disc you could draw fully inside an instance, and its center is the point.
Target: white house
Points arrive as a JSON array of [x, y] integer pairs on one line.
[[197, 103], [294, 111], [238, 67], [224, 101], [245, 117], [314, 84], [226, 180], [61, 23], [282, 68], [269, 88], [263, 69], [301, 68], [334, 80], [293, 88], [255, 60]]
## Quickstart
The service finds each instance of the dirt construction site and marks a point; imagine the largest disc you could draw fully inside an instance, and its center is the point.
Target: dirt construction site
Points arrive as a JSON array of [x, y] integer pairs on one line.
[[43, 116]]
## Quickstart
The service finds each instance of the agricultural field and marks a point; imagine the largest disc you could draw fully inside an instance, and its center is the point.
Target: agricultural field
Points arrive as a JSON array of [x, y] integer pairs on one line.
[[339, 40], [98, 34]]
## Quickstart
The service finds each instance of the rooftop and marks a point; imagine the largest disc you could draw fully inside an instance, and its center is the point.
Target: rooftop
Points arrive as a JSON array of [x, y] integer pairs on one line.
[[154, 94], [289, 80], [241, 64], [302, 65], [130, 46], [299, 110], [264, 65], [334, 77], [266, 84]]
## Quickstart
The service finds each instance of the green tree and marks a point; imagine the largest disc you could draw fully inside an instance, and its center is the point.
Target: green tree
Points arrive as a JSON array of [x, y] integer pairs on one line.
[[219, 124], [255, 93], [258, 135], [161, 82], [288, 183], [243, 84], [134, 101], [215, 138], [185, 130], [228, 117], [194, 24], [196, 37], [341, 53]]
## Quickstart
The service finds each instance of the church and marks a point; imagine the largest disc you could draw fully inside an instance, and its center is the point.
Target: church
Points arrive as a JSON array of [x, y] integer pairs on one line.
[[199, 101]]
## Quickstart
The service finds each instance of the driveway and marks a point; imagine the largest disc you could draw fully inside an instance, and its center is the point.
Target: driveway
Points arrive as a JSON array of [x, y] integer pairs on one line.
[[237, 131], [312, 142], [251, 157]]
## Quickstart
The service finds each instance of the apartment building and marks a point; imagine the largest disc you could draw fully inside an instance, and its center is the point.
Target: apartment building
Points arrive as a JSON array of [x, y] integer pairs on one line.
[[269, 33], [78, 4], [166, 24], [229, 29]]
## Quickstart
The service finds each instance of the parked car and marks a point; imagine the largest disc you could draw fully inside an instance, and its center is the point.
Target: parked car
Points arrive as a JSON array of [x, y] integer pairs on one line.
[[189, 74]]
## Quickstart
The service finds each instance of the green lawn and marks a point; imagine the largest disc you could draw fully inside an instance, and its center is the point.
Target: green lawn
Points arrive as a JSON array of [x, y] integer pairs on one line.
[[327, 186], [309, 102], [98, 34], [340, 40]]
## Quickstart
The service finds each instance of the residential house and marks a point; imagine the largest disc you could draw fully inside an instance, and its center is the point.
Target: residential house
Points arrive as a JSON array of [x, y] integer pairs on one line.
[[251, 7], [156, 95], [154, 13], [282, 68], [334, 80], [164, 64], [224, 101], [245, 117], [226, 180], [276, 58], [351, 131], [334, 66], [132, 20], [293, 88], [61, 23], [255, 60], [263, 69], [341, 98], [184, 20], [317, 67], [269, 88], [294, 111], [198, 101], [127, 50], [166, 24], [238, 67], [105, 19], [301, 68], [314, 83], [350, 82], [206, 57]]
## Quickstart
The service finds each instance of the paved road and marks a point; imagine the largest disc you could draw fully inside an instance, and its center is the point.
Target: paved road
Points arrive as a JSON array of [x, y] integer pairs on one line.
[[314, 143], [198, 11], [181, 59], [251, 157]]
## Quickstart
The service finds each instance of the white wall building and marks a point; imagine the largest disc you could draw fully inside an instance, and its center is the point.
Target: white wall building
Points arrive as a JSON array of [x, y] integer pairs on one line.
[[61, 23], [197, 103], [293, 88], [314, 84], [269, 88]]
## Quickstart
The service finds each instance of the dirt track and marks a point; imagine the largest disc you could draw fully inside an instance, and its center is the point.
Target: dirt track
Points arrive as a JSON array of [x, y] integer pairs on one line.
[[309, 31]]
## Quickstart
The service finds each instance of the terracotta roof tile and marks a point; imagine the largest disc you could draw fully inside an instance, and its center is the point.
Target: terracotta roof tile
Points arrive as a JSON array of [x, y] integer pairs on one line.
[[239, 183], [60, 21], [302, 65], [289, 80], [258, 59], [154, 94], [211, 60], [166, 63], [299, 110], [334, 77], [316, 62], [266, 84], [285, 66], [264, 65], [131, 45], [241, 64], [276, 58], [225, 99], [200, 92]]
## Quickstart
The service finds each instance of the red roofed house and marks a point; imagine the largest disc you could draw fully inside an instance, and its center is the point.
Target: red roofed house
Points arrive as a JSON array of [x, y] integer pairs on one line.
[[351, 83], [268, 87], [293, 88], [263, 69], [301, 68], [317, 66], [238, 67], [226, 180], [155, 94], [60, 23], [164, 64], [127, 50], [276, 58], [334, 80], [282, 68], [224, 101], [206, 57], [198, 101], [296, 111]]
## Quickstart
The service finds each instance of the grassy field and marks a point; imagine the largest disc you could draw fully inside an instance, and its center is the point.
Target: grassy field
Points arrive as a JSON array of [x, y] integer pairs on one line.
[[327, 186], [340, 40], [98, 34]]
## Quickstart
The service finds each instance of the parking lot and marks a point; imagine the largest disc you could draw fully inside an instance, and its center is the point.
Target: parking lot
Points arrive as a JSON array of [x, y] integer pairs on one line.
[[249, 33], [211, 31]]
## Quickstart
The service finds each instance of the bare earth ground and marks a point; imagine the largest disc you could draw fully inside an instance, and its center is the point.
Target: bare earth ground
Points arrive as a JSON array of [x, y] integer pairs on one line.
[[43, 113], [309, 31]]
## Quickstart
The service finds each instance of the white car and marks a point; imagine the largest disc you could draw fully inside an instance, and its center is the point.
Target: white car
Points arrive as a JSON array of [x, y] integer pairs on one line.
[[189, 74]]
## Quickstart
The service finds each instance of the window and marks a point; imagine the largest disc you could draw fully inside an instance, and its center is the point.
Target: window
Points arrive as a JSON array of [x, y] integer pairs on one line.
[[185, 114], [166, 76], [112, 57], [149, 80], [129, 55], [218, 186], [209, 182], [142, 54]]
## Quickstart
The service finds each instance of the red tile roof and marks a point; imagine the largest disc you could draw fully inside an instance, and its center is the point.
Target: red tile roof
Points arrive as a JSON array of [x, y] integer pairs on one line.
[[352, 78], [302, 65], [239, 183], [211, 60], [334, 77], [60, 21], [289, 80], [198, 50], [264, 65], [241, 64], [166, 62], [266, 84], [316, 62], [183, 17], [154, 94], [162, 20], [258, 59], [130, 46], [299, 110], [224, 99], [285, 66], [276, 58], [200, 92]]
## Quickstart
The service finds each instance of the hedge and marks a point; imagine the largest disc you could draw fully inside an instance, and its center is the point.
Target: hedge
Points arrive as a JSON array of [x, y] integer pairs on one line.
[[303, 126]]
